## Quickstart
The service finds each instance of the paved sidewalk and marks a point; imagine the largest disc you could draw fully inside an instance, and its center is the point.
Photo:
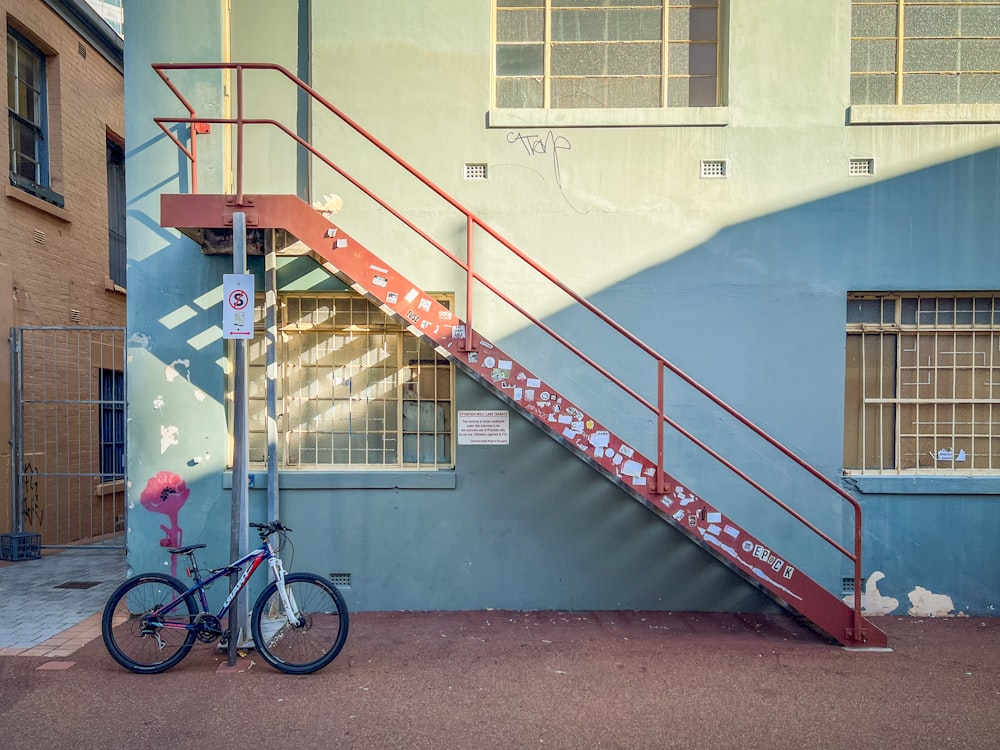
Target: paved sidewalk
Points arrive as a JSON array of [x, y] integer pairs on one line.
[[49, 604], [469, 680]]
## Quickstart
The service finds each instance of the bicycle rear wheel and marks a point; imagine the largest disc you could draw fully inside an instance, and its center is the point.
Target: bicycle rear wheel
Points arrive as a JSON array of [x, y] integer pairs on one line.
[[140, 640], [318, 636]]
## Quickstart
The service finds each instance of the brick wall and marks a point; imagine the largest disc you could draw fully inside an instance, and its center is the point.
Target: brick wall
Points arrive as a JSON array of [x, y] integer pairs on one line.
[[54, 261]]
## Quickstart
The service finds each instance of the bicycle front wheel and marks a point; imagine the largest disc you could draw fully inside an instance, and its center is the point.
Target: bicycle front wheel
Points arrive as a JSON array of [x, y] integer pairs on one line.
[[314, 639], [136, 636]]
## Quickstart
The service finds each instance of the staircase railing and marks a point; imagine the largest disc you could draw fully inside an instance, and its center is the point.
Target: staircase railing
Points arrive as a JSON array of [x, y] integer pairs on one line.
[[663, 365]]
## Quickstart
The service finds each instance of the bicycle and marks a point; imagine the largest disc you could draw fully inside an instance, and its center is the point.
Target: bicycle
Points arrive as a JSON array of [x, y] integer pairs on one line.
[[299, 621]]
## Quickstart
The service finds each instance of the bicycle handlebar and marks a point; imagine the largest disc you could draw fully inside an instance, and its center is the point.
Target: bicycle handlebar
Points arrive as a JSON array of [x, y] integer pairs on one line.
[[266, 529]]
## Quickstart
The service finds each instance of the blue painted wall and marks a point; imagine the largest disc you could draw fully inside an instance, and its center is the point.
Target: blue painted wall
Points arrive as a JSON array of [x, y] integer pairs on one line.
[[742, 282]]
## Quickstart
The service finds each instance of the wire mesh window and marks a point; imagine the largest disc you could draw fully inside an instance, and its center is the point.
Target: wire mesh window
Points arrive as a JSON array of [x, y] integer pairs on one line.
[[925, 51], [922, 390], [116, 213], [569, 54], [355, 388]]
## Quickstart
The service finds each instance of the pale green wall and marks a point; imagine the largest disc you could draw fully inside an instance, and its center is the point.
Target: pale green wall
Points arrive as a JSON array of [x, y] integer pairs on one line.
[[741, 281]]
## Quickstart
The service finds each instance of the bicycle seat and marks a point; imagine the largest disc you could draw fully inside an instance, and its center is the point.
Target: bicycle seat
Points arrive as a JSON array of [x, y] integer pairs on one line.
[[184, 550]]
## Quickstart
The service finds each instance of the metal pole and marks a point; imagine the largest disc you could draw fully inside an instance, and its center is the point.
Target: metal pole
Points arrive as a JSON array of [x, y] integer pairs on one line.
[[270, 343], [241, 453]]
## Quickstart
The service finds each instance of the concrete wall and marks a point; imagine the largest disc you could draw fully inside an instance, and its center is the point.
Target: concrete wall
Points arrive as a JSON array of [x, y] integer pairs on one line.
[[740, 281]]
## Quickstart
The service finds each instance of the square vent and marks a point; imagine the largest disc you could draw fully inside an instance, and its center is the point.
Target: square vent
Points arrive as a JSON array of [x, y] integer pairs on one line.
[[341, 580], [475, 171], [847, 585], [861, 167], [714, 168]]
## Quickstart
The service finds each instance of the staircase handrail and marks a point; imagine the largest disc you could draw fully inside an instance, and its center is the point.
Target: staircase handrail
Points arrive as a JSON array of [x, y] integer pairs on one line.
[[473, 221]]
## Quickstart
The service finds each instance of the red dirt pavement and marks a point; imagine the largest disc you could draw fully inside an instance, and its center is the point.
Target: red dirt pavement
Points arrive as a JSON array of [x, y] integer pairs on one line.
[[536, 680]]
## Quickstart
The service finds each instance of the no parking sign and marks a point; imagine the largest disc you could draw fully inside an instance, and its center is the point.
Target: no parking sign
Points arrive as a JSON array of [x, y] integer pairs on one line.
[[237, 306]]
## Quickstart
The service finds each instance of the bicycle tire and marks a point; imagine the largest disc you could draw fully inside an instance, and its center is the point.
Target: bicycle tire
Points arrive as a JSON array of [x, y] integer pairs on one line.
[[123, 629], [314, 643]]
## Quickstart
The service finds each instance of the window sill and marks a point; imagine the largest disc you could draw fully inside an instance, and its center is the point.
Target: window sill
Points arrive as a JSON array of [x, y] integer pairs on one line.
[[922, 114], [922, 485], [444, 479], [584, 118], [20, 195]]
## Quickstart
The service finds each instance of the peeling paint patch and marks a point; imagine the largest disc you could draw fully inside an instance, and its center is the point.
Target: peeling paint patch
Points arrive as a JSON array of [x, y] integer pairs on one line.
[[139, 340], [199, 395], [158, 403], [173, 373], [168, 437], [872, 600], [924, 603]]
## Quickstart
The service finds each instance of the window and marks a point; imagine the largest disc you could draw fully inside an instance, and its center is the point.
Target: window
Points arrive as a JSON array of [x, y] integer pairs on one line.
[[112, 425], [571, 54], [922, 391], [356, 389], [925, 52], [116, 213], [27, 118]]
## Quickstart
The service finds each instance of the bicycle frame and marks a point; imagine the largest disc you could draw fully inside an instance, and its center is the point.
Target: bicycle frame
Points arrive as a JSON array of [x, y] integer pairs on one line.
[[254, 559]]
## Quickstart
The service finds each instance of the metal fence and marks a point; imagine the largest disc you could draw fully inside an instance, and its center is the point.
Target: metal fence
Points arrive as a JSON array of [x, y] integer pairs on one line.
[[68, 422]]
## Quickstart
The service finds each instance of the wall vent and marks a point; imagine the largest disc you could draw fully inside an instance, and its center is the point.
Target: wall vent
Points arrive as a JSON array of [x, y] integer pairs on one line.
[[861, 167], [74, 316], [341, 580], [475, 171], [39, 236], [847, 585], [81, 49], [714, 168]]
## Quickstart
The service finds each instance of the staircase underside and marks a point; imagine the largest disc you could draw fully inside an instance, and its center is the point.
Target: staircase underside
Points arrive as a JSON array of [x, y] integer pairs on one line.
[[536, 400]]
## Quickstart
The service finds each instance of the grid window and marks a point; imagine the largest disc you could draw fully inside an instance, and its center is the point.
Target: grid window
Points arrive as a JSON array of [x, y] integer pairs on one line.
[[26, 110], [112, 437], [570, 54], [925, 52], [922, 392], [355, 389], [116, 213]]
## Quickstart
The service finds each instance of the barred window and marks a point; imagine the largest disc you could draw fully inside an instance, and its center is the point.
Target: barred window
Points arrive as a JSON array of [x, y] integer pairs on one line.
[[925, 52], [922, 392], [355, 388], [570, 54]]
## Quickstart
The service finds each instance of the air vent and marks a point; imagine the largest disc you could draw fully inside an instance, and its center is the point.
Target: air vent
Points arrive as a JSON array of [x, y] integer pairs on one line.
[[81, 49], [341, 580], [847, 585], [39, 236], [475, 171], [714, 168], [861, 167], [74, 315]]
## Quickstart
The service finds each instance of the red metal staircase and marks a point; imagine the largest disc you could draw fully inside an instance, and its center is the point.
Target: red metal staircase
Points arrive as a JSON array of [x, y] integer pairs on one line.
[[538, 400]]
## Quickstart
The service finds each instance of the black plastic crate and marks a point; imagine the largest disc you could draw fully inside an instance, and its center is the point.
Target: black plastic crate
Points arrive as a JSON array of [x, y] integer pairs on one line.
[[20, 546]]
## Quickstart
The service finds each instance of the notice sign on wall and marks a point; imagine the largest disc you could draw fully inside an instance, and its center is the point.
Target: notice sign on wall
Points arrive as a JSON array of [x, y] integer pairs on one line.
[[484, 427]]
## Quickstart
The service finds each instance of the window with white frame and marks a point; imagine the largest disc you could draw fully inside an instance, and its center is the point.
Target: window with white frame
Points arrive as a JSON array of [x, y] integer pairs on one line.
[[922, 393], [925, 52], [355, 388], [27, 118], [572, 54]]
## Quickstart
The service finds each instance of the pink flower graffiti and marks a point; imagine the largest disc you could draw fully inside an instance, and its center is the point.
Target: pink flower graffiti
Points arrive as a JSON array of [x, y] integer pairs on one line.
[[166, 493]]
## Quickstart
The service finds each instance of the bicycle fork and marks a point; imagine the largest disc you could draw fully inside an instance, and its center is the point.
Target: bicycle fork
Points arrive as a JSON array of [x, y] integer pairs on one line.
[[287, 597]]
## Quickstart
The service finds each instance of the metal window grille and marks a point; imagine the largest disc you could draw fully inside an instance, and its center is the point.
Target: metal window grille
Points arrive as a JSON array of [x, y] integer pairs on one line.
[[355, 388], [920, 52], [714, 168], [564, 54], [923, 384], [861, 167]]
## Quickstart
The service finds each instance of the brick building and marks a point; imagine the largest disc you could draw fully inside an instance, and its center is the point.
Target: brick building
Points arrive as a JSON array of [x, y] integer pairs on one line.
[[62, 260]]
